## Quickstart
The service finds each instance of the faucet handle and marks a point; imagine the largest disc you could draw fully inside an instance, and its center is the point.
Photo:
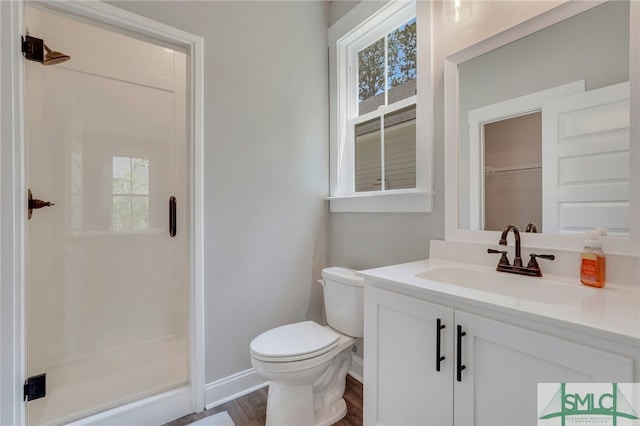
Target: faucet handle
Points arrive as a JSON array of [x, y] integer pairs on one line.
[[534, 264], [544, 256], [503, 259]]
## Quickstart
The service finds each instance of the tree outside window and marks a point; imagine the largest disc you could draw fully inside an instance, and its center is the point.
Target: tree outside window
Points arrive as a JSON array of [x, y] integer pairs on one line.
[[386, 64]]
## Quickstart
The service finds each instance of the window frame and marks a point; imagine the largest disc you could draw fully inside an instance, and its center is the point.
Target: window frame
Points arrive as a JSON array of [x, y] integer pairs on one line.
[[365, 24]]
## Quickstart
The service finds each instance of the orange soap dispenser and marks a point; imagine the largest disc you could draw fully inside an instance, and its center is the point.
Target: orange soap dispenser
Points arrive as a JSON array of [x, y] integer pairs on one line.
[[593, 262]]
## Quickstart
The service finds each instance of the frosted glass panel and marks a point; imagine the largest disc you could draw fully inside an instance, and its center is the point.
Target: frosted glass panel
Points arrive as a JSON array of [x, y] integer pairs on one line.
[[107, 287]]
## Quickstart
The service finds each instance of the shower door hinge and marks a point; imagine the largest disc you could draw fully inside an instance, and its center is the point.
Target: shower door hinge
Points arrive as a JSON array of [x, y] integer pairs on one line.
[[33, 48], [35, 387]]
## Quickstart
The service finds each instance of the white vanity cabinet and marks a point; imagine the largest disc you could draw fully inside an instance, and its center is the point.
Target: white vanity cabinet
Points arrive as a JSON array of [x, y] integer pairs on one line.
[[401, 383], [502, 365]]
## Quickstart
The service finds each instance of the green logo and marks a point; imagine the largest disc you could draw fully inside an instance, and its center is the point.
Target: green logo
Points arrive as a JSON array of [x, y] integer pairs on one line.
[[588, 404]]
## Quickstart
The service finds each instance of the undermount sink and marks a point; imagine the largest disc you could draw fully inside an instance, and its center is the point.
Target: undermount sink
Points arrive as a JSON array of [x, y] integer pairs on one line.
[[521, 287]]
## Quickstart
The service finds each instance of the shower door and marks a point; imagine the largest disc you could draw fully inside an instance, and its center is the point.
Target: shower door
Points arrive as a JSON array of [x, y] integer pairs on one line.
[[107, 285]]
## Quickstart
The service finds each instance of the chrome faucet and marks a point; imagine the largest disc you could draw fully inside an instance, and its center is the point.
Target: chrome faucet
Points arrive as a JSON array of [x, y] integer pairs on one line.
[[532, 268]]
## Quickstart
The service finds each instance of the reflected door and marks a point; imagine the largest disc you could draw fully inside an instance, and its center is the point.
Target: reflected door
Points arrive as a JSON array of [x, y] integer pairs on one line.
[[585, 156], [107, 285]]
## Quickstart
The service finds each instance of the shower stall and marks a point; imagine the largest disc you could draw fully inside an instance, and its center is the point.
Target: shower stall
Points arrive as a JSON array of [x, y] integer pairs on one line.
[[108, 243]]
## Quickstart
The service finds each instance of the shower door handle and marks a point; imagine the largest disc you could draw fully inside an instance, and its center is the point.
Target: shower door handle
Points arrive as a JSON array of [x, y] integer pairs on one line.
[[172, 216], [34, 203]]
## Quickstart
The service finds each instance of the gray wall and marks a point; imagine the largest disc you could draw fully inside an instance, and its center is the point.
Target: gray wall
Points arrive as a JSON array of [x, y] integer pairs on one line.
[[338, 8], [366, 240], [266, 170]]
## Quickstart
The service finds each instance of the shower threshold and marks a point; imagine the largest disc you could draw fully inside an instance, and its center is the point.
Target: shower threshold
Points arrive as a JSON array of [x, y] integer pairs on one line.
[[86, 387]]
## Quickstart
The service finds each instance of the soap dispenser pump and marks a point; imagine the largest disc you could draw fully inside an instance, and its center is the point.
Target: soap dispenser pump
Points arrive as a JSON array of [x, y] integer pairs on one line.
[[593, 262]]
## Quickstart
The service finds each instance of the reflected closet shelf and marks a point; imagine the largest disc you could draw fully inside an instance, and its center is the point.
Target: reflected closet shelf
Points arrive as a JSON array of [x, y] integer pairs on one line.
[[488, 171]]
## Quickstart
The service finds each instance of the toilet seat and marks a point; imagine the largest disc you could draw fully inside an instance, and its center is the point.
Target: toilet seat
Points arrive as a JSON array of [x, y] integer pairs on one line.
[[294, 342]]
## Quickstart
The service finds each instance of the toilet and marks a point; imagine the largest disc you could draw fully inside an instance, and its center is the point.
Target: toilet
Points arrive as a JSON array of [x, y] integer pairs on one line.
[[307, 363]]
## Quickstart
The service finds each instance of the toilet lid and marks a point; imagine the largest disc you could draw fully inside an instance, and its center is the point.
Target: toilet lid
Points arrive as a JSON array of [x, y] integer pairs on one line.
[[294, 342]]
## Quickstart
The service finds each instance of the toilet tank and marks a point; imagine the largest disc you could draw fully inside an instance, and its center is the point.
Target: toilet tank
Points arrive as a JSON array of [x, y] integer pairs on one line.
[[344, 300]]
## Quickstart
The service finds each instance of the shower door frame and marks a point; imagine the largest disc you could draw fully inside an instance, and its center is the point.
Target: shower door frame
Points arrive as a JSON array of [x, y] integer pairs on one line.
[[158, 408]]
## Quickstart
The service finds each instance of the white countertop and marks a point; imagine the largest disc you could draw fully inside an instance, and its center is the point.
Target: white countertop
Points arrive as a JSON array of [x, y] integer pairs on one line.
[[612, 312]]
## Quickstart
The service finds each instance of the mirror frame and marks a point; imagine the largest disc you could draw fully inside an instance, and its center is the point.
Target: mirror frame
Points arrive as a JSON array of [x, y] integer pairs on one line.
[[630, 245]]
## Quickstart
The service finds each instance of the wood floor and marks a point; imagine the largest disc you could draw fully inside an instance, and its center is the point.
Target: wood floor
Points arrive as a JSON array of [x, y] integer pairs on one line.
[[251, 409]]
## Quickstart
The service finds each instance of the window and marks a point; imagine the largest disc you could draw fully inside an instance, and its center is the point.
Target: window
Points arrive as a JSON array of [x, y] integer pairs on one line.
[[379, 150], [386, 145], [130, 194]]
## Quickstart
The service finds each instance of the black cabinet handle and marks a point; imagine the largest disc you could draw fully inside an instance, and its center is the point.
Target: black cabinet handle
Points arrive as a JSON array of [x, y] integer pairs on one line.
[[172, 216], [459, 366], [439, 358]]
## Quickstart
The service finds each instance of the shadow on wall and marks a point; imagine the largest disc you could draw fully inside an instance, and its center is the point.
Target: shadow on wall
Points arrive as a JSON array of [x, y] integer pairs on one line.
[[315, 306]]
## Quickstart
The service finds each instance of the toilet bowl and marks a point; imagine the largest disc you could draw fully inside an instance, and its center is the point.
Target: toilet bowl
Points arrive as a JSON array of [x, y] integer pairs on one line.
[[307, 363]]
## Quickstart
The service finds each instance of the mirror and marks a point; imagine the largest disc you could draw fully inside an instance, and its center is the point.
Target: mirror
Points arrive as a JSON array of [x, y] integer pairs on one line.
[[458, 177], [543, 127]]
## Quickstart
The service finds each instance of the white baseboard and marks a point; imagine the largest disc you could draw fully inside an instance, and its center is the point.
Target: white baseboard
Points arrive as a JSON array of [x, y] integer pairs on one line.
[[232, 387], [357, 368], [245, 382]]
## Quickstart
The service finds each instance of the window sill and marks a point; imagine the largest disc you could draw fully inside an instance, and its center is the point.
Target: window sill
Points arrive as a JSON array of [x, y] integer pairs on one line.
[[388, 202]]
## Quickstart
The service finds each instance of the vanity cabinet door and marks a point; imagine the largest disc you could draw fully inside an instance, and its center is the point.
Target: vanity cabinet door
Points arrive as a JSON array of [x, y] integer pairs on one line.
[[401, 383], [504, 363]]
